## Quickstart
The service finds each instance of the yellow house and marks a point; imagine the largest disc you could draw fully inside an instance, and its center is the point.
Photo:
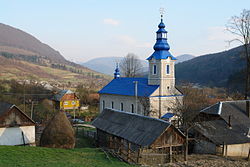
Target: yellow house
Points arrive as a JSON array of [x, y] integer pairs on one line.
[[66, 100]]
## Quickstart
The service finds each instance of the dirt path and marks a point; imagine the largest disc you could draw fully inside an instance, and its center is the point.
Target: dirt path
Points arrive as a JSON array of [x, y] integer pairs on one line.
[[211, 161]]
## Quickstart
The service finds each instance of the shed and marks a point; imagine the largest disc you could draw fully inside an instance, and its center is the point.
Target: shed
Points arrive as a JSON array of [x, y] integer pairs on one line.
[[224, 129], [139, 139], [16, 128]]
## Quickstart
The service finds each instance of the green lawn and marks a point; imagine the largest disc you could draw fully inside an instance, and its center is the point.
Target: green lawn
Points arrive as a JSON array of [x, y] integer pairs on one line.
[[20, 156]]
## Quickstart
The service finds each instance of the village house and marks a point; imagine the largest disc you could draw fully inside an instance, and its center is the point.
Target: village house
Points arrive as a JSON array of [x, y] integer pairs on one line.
[[224, 129], [66, 100], [153, 96], [139, 139], [16, 128]]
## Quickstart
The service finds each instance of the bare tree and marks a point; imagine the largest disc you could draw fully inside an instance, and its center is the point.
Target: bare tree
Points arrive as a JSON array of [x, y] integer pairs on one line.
[[240, 27], [146, 107], [130, 65]]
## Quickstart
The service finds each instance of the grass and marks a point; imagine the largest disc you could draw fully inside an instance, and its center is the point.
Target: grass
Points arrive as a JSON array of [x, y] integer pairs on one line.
[[81, 140], [20, 156]]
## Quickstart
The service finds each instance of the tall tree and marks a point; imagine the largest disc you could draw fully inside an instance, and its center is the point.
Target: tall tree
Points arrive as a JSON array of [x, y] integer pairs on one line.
[[130, 65], [240, 27]]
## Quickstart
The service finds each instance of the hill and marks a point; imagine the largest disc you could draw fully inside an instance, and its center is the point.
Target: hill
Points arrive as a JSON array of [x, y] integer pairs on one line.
[[184, 57], [212, 69], [23, 57], [13, 40], [106, 65]]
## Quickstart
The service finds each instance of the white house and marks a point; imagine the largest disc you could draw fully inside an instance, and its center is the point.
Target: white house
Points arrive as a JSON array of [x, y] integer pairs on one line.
[[155, 95], [16, 128]]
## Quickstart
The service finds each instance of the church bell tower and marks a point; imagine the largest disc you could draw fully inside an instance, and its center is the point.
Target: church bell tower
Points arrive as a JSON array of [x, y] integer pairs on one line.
[[161, 63]]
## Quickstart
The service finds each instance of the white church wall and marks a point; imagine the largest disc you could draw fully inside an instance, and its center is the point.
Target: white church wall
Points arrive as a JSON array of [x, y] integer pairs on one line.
[[13, 135], [168, 104], [117, 100]]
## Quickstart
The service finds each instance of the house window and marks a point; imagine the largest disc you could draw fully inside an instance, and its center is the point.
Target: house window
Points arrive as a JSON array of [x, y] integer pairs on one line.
[[132, 108], [103, 104], [154, 69], [121, 106], [112, 104], [167, 69]]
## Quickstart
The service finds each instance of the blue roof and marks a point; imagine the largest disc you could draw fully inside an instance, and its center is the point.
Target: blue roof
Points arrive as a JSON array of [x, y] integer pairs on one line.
[[126, 86], [161, 54], [161, 46], [168, 115]]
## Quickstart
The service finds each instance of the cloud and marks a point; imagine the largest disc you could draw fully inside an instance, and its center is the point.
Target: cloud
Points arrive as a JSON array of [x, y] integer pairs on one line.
[[111, 22]]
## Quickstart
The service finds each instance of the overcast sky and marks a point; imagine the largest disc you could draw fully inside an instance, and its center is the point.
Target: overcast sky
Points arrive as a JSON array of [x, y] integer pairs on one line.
[[84, 29]]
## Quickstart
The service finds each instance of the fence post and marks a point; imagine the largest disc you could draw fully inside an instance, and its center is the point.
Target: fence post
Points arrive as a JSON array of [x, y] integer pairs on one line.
[[129, 144], [170, 154]]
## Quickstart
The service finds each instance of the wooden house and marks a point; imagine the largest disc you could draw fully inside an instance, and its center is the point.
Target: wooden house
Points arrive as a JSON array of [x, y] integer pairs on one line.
[[66, 100], [16, 128], [224, 129], [139, 139]]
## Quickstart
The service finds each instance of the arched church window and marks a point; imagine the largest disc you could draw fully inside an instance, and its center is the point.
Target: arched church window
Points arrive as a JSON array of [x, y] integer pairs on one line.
[[167, 69], [103, 104], [112, 104], [154, 69]]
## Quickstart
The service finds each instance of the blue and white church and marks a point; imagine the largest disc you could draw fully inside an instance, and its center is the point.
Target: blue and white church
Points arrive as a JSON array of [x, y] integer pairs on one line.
[[154, 96]]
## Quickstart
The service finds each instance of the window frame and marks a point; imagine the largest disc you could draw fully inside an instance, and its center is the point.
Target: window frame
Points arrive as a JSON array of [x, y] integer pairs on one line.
[[154, 70], [168, 69]]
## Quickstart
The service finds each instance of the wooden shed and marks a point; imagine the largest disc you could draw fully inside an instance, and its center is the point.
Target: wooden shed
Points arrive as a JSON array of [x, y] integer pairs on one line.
[[139, 139], [16, 128]]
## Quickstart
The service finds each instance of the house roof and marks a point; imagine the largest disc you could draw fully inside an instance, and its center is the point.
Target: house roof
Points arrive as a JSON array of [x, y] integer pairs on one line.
[[167, 116], [138, 129], [231, 126], [59, 96], [235, 109], [5, 107], [126, 86]]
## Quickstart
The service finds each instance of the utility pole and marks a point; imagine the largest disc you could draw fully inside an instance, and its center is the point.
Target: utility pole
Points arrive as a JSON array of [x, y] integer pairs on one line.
[[32, 108], [136, 96]]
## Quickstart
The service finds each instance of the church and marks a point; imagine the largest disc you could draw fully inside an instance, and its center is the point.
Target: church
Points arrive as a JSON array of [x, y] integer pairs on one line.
[[154, 96]]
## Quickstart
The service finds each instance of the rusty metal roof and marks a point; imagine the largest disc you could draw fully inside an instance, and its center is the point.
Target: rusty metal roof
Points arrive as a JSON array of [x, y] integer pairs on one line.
[[138, 129]]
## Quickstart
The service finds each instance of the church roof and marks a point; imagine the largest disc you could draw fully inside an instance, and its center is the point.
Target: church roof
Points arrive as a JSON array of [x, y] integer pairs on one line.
[[126, 86], [161, 46]]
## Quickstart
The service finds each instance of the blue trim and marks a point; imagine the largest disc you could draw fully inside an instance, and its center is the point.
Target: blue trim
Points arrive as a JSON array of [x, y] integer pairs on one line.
[[161, 46], [168, 96]]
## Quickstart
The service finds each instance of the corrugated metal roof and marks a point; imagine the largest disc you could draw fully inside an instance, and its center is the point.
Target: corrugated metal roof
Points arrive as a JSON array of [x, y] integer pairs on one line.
[[138, 129], [59, 96], [126, 86], [4, 107], [229, 113]]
